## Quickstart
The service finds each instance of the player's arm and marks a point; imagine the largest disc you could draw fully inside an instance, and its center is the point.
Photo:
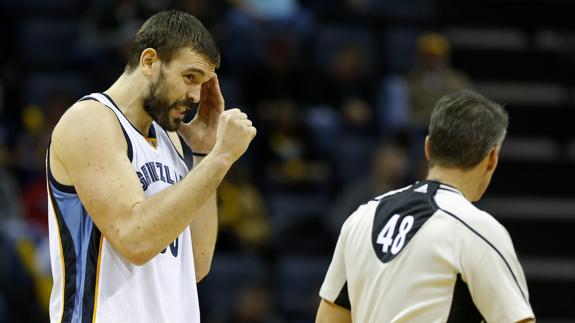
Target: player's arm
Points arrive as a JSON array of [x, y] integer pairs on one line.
[[204, 227], [89, 146], [200, 135], [329, 312], [204, 231]]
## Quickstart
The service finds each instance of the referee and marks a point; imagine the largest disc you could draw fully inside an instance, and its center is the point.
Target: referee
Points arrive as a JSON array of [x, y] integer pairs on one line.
[[424, 253]]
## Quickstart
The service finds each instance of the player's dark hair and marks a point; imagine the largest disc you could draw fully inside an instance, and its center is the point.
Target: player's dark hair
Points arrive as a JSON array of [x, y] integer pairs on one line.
[[167, 32], [464, 127]]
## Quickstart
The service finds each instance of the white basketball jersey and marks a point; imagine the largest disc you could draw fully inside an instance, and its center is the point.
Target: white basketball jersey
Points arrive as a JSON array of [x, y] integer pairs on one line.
[[92, 282]]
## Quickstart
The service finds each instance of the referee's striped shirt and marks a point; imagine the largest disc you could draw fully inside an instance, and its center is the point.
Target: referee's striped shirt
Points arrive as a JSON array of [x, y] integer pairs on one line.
[[426, 254]]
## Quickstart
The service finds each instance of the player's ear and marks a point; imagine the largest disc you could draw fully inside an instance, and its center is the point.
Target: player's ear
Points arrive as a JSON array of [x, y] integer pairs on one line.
[[427, 147], [147, 59], [493, 158]]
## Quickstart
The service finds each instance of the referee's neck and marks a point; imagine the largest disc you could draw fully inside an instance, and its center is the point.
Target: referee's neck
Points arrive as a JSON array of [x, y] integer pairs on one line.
[[469, 182]]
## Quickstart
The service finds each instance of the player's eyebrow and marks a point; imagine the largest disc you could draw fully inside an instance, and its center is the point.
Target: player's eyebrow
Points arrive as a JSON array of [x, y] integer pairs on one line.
[[195, 69]]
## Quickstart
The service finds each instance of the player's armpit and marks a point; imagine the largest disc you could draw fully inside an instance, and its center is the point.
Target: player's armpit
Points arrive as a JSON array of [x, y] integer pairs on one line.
[[332, 313], [529, 320]]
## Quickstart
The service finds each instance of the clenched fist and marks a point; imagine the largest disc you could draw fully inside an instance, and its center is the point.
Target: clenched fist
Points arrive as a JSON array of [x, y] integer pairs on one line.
[[235, 132]]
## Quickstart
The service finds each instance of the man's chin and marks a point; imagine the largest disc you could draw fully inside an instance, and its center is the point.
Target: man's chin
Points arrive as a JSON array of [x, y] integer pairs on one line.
[[173, 125]]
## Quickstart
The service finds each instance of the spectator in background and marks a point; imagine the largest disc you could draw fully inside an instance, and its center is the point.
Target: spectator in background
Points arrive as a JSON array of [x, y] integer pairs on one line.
[[388, 170], [431, 78], [405, 104], [357, 140], [18, 290], [38, 122], [279, 74], [348, 75], [253, 305], [24, 284], [342, 116], [250, 24], [208, 12], [108, 32], [9, 189], [289, 161], [243, 218]]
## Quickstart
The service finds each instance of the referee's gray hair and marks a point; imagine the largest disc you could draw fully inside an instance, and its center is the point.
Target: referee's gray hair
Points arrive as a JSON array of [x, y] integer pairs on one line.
[[464, 127]]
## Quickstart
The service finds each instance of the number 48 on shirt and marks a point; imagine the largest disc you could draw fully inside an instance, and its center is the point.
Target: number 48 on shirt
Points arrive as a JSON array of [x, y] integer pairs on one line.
[[390, 237]]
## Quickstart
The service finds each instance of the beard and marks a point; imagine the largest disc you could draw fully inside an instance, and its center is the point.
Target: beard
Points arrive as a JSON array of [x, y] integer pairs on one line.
[[158, 106]]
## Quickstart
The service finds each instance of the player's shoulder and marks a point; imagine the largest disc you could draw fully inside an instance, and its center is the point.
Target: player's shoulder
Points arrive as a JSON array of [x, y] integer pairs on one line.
[[474, 220], [89, 124], [85, 113]]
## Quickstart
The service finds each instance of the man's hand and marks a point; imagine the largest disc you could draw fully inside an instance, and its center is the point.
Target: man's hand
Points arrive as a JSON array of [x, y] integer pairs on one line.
[[200, 133], [234, 134]]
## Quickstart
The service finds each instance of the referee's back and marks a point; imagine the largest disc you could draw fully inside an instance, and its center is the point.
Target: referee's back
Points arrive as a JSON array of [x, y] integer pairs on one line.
[[426, 254]]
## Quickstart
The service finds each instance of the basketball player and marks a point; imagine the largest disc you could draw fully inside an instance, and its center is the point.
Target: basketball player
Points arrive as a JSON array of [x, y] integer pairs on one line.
[[131, 231], [424, 253]]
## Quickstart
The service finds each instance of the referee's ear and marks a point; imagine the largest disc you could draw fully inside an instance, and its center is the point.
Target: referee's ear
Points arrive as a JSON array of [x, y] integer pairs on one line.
[[493, 158], [427, 148]]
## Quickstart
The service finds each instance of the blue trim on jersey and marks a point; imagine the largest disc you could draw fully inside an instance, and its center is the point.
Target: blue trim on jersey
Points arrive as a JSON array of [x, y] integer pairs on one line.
[[80, 226], [69, 262]]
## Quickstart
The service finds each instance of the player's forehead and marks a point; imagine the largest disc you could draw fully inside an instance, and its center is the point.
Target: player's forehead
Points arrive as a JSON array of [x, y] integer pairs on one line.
[[188, 60]]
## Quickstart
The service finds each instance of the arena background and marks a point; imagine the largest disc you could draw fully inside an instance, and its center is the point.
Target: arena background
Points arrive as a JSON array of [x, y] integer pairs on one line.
[[339, 91]]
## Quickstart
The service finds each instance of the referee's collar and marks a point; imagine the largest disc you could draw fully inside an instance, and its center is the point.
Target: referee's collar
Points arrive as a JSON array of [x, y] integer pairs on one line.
[[446, 187]]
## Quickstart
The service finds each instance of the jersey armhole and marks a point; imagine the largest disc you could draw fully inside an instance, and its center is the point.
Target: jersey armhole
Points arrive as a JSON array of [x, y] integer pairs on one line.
[[52, 180]]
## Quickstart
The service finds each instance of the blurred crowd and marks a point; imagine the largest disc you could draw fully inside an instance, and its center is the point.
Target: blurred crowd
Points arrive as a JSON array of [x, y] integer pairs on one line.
[[340, 99]]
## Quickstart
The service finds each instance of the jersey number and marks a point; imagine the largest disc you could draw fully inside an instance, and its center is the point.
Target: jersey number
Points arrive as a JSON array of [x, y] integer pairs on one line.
[[387, 237]]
